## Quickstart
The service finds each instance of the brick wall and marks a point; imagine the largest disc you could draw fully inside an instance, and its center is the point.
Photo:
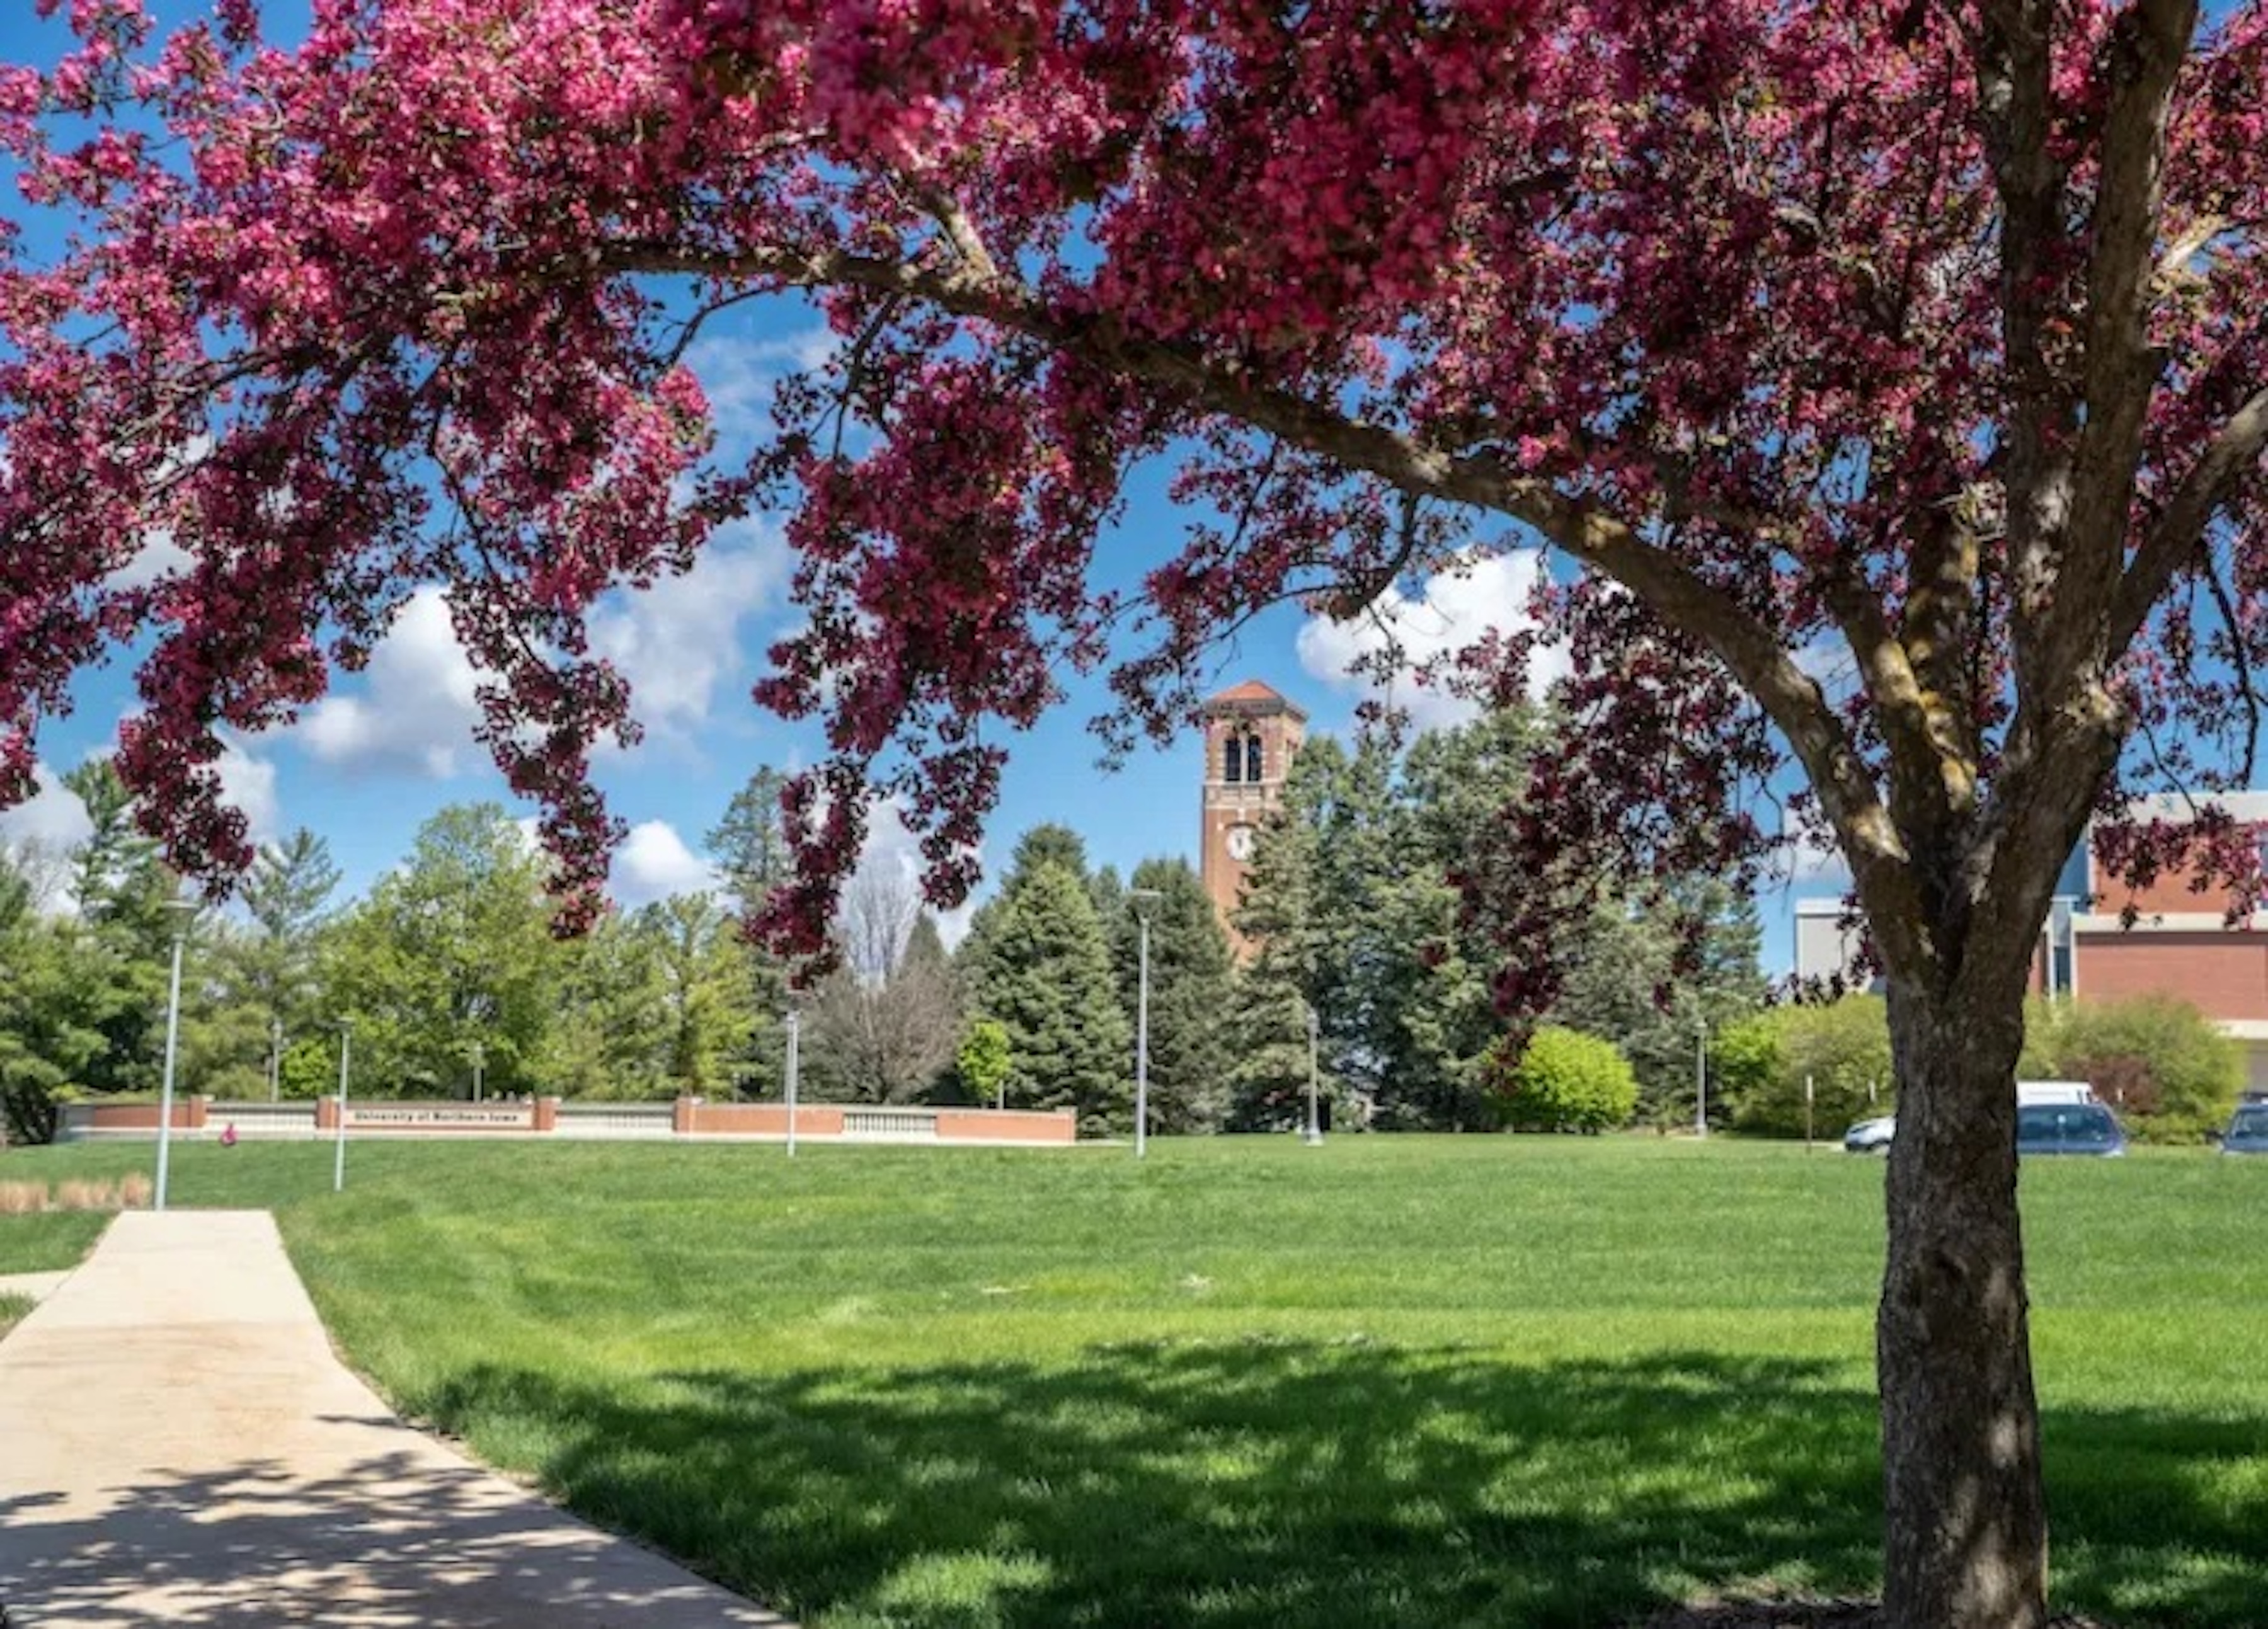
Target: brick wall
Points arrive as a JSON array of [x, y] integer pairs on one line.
[[2224, 975]]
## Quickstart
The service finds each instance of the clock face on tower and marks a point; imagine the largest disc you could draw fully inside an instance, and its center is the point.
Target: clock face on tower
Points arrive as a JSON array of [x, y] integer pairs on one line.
[[1240, 843]]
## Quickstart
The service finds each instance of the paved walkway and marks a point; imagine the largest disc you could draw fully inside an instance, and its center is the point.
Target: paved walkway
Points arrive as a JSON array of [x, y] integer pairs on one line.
[[178, 1445], [32, 1285]]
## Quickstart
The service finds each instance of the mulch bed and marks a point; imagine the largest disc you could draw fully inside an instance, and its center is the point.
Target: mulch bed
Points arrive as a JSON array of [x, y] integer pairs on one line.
[[1800, 1614]]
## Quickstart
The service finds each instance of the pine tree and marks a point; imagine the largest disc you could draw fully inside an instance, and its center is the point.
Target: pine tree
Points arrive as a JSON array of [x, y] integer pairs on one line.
[[1047, 976], [1191, 987], [262, 994], [122, 888], [750, 847]]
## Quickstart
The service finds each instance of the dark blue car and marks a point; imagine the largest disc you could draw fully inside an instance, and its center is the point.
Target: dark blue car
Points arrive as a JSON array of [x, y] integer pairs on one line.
[[2068, 1128], [2248, 1132]]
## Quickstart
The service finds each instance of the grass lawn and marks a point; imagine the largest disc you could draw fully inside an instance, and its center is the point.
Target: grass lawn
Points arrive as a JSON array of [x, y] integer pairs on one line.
[[1399, 1380]]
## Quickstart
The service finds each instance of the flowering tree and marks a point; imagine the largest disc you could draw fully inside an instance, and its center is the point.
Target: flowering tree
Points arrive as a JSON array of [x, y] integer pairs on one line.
[[1921, 341]]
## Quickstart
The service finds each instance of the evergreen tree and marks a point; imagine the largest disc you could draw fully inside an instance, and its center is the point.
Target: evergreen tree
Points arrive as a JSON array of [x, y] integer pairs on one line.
[[1047, 976], [261, 992], [1050, 843], [1191, 987], [1630, 984], [122, 888], [750, 847]]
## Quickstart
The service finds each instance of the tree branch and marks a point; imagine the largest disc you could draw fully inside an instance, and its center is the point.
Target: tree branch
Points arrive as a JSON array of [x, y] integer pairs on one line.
[[1481, 480], [2181, 525], [2147, 46]]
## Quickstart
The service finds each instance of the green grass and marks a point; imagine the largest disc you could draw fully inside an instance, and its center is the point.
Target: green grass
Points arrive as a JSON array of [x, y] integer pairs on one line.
[[1408, 1381]]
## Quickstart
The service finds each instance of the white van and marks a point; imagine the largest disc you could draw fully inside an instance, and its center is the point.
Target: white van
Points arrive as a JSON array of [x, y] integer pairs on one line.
[[2053, 1092], [1875, 1136]]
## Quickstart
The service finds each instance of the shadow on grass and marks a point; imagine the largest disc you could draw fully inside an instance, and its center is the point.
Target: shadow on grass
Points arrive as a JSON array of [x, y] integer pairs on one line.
[[1282, 1484], [1274, 1484]]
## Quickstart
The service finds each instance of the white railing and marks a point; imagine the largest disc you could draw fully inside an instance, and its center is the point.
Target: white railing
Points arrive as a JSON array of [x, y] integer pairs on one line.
[[865, 1122], [280, 1119], [616, 1120]]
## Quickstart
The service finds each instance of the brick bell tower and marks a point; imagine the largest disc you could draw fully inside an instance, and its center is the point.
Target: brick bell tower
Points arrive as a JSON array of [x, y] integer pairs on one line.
[[1250, 735]]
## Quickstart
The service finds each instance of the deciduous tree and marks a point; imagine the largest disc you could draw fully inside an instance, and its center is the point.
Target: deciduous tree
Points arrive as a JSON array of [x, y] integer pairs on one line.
[[1926, 333]]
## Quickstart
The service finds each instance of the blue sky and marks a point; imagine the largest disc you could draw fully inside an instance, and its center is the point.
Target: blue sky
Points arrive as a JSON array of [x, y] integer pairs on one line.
[[392, 745]]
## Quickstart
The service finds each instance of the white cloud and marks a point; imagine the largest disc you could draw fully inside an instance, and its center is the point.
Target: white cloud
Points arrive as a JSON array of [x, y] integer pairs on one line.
[[740, 375], [248, 783], [51, 819], [1458, 607], [159, 555], [677, 641], [415, 710], [891, 848], [655, 863]]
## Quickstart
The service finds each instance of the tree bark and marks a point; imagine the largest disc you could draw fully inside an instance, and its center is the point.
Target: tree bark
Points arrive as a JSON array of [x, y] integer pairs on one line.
[[1965, 1530]]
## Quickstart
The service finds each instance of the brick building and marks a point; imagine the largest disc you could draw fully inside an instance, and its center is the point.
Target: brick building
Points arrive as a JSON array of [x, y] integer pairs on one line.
[[2178, 945], [1251, 733]]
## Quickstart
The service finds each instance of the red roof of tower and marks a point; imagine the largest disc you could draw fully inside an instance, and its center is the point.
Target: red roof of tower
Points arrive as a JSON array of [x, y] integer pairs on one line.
[[1253, 696]]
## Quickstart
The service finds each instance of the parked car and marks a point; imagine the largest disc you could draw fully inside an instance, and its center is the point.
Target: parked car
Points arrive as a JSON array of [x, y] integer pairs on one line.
[[1871, 1135], [2247, 1131], [2068, 1128]]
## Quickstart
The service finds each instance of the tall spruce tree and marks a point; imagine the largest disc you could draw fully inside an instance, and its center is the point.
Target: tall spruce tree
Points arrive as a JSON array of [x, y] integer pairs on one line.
[[263, 987], [1046, 975], [750, 847], [1191, 986], [122, 888]]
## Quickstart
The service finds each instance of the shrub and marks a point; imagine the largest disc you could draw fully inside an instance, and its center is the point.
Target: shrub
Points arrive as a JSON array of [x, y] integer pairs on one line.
[[85, 1196], [1569, 1081], [1842, 1047], [134, 1190], [2156, 1060], [22, 1198]]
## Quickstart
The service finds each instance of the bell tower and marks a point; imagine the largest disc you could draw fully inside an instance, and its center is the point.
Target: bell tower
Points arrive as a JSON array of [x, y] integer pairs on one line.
[[1251, 732]]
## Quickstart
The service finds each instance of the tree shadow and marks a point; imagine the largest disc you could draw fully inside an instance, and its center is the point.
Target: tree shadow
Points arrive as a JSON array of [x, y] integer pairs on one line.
[[385, 1539], [1277, 1484], [1261, 1483]]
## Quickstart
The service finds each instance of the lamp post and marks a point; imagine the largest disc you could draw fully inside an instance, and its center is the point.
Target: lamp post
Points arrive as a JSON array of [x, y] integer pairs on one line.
[[275, 1059], [339, 1159], [182, 912], [1701, 1082], [1314, 1135], [1140, 899], [480, 1057], [794, 1038]]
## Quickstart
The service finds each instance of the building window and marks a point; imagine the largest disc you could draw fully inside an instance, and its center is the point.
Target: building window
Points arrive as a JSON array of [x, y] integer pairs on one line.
[[1232, 760], [1252, 772]]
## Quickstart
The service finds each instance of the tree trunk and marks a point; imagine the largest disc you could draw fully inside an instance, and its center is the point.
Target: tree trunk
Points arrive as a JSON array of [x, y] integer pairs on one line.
[[1965, 1533]]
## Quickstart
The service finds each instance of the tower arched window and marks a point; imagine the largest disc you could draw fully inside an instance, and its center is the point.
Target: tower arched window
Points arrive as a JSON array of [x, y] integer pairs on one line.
[[1252, 759], [1232, 768]]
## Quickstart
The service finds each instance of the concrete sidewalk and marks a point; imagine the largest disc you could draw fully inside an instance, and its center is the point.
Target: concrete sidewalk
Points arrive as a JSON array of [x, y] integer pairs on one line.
[[178, 1445]]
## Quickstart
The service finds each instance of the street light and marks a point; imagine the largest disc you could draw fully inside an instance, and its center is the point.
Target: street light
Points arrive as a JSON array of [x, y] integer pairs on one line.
[[274, 1059], [480, 1057], [1138, 898], [795, 1037], [183, 911], [1314, 1135], [1701, 1082], [339, 1161]]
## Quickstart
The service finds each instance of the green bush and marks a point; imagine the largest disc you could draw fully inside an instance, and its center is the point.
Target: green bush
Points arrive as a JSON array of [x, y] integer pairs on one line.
[[1843, 1048], [2159, 1062], [1569, 1081]]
